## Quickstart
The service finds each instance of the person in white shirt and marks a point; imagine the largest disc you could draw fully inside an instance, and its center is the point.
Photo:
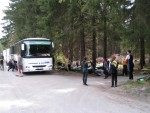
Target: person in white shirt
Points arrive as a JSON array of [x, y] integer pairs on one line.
[[130, 65]]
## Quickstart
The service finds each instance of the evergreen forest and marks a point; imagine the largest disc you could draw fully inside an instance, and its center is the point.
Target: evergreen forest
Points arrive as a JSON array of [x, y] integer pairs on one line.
[[93, 28]]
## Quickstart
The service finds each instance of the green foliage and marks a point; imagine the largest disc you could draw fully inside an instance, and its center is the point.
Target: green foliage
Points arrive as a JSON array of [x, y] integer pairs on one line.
[[114, 23], [1, 47]]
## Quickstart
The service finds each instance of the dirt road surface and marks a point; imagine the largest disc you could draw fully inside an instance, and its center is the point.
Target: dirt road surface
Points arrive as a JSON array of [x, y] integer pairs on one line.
[[63, 93]]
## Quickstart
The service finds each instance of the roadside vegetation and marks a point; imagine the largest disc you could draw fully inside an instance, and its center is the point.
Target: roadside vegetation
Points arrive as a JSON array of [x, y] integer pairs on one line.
[[142, 83], [139, 89], [92, 28]]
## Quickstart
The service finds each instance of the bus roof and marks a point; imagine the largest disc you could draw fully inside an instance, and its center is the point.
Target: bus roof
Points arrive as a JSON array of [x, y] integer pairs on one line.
[[35, 39], [31, 39]]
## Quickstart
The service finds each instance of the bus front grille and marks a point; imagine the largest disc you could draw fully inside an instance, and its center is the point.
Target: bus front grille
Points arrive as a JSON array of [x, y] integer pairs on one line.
[[39, 66]]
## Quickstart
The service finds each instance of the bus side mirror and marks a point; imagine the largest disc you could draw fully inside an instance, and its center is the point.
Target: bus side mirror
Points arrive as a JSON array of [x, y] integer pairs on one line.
[[23, 47], [52, 44]]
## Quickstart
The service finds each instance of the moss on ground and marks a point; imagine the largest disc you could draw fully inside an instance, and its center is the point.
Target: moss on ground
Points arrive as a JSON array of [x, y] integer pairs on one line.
[[143, 85]]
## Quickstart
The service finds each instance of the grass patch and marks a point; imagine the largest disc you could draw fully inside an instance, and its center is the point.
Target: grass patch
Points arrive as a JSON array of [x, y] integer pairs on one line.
[[143, 86], [145, 69], [133, 84]]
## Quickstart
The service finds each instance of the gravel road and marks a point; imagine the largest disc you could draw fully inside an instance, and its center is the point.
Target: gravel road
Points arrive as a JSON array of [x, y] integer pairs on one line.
[[63, 93]]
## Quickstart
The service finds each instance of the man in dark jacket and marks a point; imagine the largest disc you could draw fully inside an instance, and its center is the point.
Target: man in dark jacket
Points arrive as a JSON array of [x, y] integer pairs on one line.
[[130, 65], [11, 63], [106, 68], [84, 65]]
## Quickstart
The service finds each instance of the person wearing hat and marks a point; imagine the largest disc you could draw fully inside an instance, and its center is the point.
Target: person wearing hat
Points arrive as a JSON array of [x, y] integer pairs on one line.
[[113, 71], [84, 70]]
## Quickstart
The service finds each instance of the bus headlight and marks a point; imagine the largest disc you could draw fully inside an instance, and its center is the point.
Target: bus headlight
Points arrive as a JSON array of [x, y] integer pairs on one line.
[[50, 66]]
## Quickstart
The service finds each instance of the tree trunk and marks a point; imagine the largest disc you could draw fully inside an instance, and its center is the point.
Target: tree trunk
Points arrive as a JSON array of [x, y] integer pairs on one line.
[[71, 44], [149, 57], [142, 52], [105, 33], [82, 37], [93, 42]]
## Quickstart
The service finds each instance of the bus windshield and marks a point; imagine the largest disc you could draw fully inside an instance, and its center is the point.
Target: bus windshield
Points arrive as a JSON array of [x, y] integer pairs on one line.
[[38, 48]]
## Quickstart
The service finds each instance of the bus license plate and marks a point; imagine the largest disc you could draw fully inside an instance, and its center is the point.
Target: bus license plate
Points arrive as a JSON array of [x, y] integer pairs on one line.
[[40, 68]]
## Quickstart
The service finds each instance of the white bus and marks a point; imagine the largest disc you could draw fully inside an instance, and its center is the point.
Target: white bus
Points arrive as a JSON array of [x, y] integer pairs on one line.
[[36, 54]]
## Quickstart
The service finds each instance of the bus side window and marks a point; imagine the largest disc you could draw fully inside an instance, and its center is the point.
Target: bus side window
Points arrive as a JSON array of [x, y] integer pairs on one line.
[[23, 49]]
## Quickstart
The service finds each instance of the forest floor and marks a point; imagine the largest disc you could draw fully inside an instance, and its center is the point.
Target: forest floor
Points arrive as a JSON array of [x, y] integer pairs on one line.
[[136, 89]]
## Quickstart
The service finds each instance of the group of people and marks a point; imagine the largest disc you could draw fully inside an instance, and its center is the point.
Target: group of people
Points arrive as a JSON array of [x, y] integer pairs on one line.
[[110, 68], [14, 65]]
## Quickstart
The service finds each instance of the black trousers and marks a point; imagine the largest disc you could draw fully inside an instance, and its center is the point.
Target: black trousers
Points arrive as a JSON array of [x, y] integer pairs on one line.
[[131, 74], [2, 64], [69, 67], [125, 70], [85, 74], [106, 73], [11, 67], [114, 79]]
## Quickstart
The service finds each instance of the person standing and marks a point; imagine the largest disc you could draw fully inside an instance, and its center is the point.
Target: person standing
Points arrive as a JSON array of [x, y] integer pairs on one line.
[[130, 64], [69, 64], [106, 68], [20, 67], [113, 70], [2, 62], [77, 64], [124, 71], [84, 70]]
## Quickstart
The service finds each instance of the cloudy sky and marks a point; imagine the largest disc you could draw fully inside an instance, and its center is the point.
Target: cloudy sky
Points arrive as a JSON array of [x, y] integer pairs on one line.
[[3, 4]]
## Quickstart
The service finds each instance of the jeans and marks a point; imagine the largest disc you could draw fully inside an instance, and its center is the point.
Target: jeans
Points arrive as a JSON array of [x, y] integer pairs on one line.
[[85, 74]]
